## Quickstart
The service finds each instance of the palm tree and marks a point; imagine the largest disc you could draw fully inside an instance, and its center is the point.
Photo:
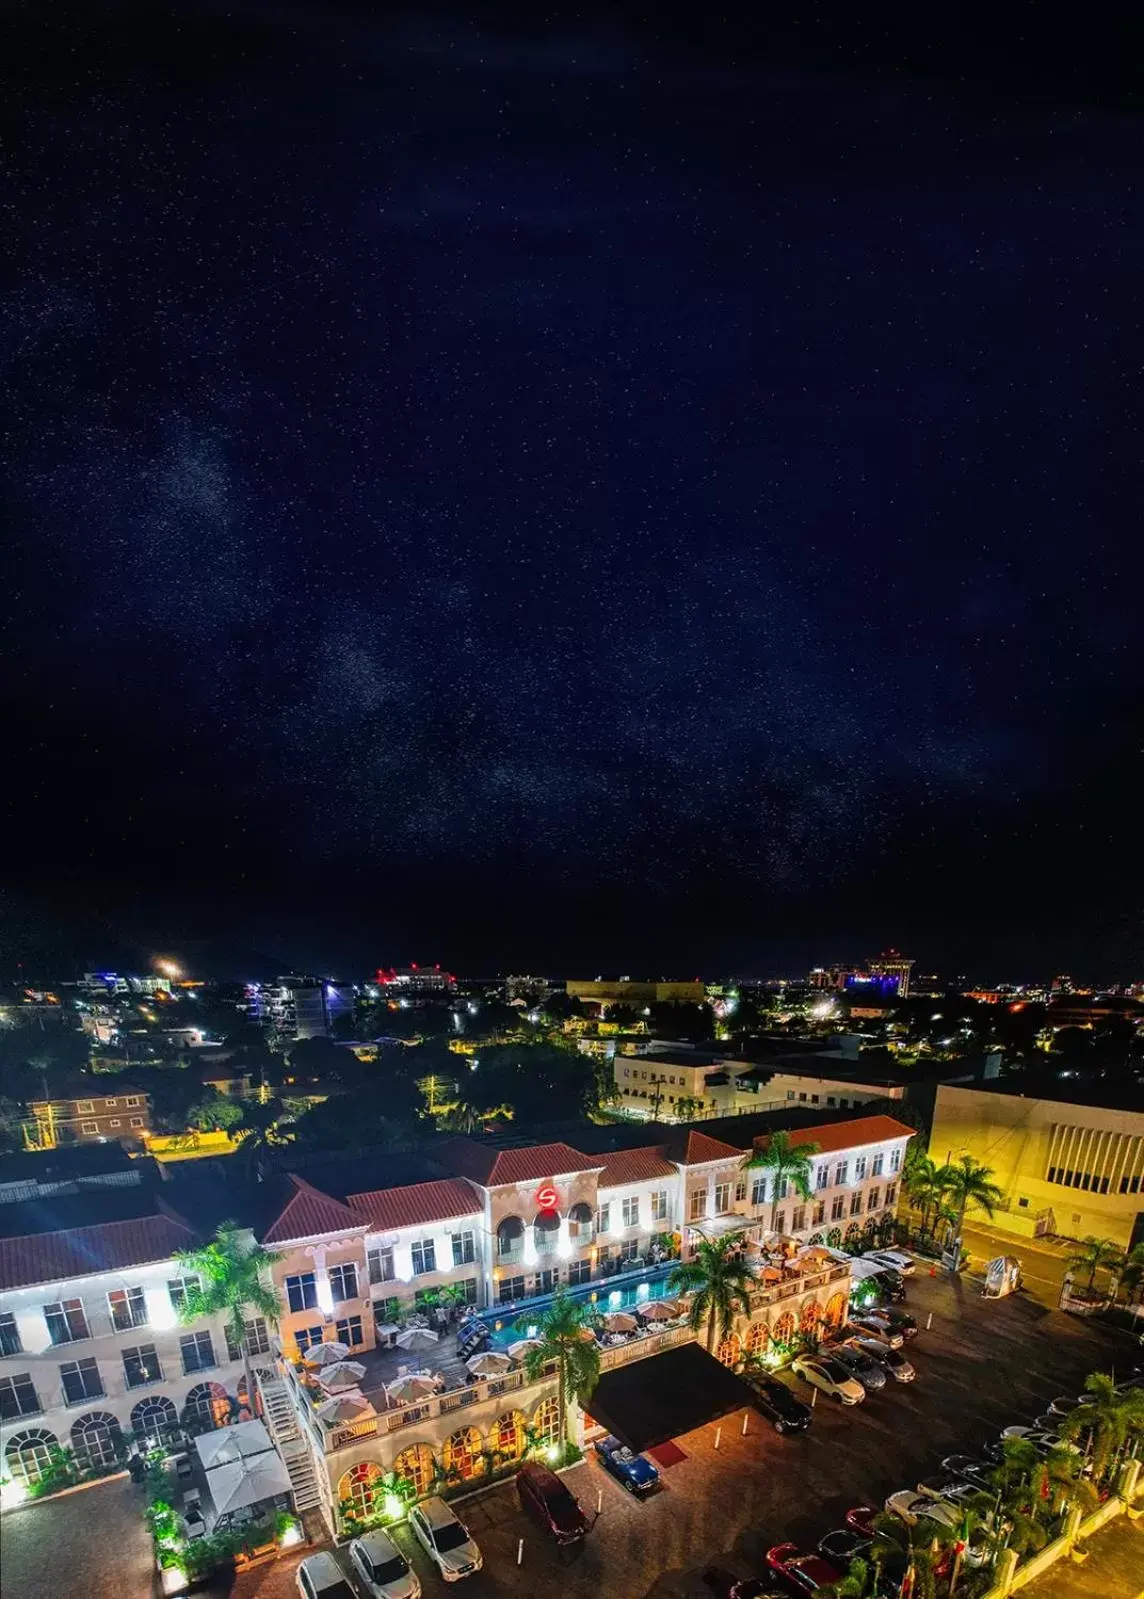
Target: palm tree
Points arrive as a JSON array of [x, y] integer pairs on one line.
[[854, 1585], [1096, 1254], [923, 1187], [721, 1283], [916, 1547], [1130, 1275], [230, 1269], [968, 1182], [265, 1125], [790, 1163], [1112, 1418], [564, 1338]]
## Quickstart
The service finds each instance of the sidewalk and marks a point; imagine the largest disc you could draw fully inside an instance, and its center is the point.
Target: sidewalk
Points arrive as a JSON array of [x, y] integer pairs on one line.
[[1114, 1568]]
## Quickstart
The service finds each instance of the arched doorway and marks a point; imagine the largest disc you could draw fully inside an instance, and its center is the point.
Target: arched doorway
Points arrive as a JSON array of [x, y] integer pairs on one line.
[[835, 1313], [834, 1238], [730, 1351], [507, 1435], [546, 1420], [758, 1336], [510, 1234], [357, 1488], [782, 1333], [155, 1421], [415, 1464], [809, 1320], [97, 1439], [29, 1454], [207, 1407], [463, 1456]]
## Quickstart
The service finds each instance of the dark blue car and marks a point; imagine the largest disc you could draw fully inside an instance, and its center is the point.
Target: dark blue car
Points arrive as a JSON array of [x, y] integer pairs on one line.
[[638, 1475]]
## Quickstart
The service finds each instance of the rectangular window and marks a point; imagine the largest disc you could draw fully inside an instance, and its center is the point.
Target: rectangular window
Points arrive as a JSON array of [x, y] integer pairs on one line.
[[822, 1176], [133, 1101], [877, 1165], [659, 1205], [66, 1321], [85, 1107], [838, 1207], [136, 1121], [18, 1397], [819, 1215], [722, 1198], [257, 1340], [197, 1351], [855, 1204], [579, 1271], [698, 1204], [759, 1191], [783, 1189], [349, 1331], [115, 1122], [81, 1381], [873, 1199], [128, 1308], [110, 1103], [386, 1311], [627, 1252], [89, 1127], [343, 1282], [741, 1191], [302, 1291], [381, 1264], [780, 1222], [464, 1249], [178, 1289], [9, 1334], [307, 1337], [604, 1219], [859, 1168], [424, 1254], [631, 1212], [141, 1366], [895, 1160], [798, 1219], [892, 1194], [510, 1288]]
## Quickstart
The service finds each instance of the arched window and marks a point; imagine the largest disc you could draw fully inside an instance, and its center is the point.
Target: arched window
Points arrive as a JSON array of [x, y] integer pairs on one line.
[[462, 1453], [97, 1440], [836, 1310], [546, 1232], [815, 1238], [730, 1351], [834, 1238], [853, 1233], [509, 1234], [811, 1315], [358, 1486], [155, 1421], [415, 1464], [29, 1454], [782, 1333], [546, 1420], [757, 1335], [207, 1407], [507, 1435], [580, 1223]]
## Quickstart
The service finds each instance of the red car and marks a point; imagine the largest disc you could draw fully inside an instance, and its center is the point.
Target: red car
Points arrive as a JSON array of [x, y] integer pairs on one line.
[[861, 1519], [802, 1573], [551, 1505]]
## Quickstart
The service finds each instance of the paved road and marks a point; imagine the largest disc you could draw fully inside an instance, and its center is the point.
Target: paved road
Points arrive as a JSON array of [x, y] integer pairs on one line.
[[92, 1543], [982, 1365], [1042, 1261], [1114, 1568]]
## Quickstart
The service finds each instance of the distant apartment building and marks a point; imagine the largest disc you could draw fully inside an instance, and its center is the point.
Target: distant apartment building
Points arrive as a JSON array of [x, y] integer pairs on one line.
[[91, 1112], [299, 1007], [629, 991], [688, 1085], [883, 976], [415, 982]]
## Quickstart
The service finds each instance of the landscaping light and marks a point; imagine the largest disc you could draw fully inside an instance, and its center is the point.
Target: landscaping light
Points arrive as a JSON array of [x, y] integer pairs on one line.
[[293, 1535], [393, 1506], [13, 1493], [553, 1452]]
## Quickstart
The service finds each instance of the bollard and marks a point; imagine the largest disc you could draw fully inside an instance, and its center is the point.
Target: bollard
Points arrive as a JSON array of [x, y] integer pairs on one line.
[[929, 1321], [813, 1397], [718, 1436], [599, 1500], [520, 1551], [746, 1413]]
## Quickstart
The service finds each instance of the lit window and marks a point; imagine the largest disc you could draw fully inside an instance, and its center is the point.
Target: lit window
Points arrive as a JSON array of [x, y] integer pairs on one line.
[[343, 1282], [128, 1308], [67, 1323]]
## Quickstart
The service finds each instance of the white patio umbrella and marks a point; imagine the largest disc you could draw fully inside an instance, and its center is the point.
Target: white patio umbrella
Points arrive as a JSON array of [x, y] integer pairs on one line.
[[491, 1364], [229, 1445], [248, 1482], [618, 1321], [411, 1390], [326, 1354], [350, 1406], [417, 1338], [335, 1379], [522, 1348], [656, 1310], [672, 1306]]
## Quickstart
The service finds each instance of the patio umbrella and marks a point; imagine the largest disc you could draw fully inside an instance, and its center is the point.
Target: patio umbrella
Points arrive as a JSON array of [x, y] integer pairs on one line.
[[336, 1379], [325, 1354], [342, 1408], [522, 1348], [411, 1390], [228, 1445], [490, 1364], [618, 1321], [417, 1338], [656, 1310], [248, 1482]]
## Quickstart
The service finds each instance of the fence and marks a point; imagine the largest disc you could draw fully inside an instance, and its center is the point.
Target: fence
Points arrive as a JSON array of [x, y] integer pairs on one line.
[[1013, 1577]]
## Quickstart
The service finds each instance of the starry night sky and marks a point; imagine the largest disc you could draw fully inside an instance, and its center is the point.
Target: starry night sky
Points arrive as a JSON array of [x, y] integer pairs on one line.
[[556, 499]]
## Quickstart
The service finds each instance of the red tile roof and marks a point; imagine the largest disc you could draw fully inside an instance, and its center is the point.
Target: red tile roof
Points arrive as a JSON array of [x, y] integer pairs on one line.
[[635, 1166], [832, 1136], [700, 1147], [417, 1205], [492, 1167], [111, 1246], [309, 1213]]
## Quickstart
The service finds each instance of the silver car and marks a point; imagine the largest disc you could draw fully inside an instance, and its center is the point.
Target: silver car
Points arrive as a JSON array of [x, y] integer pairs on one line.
[[383, 1569], [445, 1539]]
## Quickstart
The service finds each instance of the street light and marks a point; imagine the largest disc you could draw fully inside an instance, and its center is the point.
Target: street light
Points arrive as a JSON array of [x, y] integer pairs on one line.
[[167, 967]]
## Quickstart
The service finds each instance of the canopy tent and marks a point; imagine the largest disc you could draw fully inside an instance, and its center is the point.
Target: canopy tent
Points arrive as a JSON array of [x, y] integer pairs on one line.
[[231, 1445], [649, 1401], [238, 1485]]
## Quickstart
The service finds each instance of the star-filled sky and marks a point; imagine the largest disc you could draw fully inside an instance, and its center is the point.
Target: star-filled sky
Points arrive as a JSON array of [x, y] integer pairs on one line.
[[546, 497]]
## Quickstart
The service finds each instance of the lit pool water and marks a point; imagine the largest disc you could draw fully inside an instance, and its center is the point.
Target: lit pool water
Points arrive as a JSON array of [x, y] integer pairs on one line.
[[625, 1296]]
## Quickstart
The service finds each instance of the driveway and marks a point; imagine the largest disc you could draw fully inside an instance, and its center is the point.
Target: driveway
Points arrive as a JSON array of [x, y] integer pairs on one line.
[[982, 1365], [92, 1542]]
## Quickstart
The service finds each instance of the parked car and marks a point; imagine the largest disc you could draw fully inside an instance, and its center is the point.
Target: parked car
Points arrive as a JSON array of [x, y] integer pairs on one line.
[[894, 1361], [445, 1539], [1041, 1440], [831, 1377], [913, 1507], [860, 1518], [550, 1502], [891, 1285], [868, 1371], [894, 1258], [844, 1545], [1062, 1405], [966, 1469], [774, 1400], [887, 1318], [801, 1572], [382, 1568], [725, 1585], [320, 1577], [636, 1472], [871, 1324]]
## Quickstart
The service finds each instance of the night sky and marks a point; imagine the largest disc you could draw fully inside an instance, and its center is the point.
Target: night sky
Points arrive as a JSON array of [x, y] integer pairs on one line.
[[567, 500]]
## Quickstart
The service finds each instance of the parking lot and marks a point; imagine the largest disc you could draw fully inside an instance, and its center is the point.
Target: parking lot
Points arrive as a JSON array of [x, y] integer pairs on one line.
[[983, 1364]]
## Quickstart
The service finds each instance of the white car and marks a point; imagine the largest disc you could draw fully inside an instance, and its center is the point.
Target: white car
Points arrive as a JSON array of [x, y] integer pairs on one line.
[[383, 1569], [1041, 1441], [893, 1258], [911, 1506], [320, 1577], [833, 1379], [445, 1539]]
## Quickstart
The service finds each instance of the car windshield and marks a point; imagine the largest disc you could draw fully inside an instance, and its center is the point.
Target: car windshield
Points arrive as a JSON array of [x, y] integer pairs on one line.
[[339, 1590], [388, 1570], [450, 1537], [832, 1368]]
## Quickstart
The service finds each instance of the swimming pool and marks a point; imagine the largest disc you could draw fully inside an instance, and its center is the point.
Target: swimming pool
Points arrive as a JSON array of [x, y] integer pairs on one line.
[[652, 1284]]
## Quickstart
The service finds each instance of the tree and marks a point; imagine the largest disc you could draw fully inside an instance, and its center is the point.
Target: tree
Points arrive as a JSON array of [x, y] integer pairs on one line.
[[564, 1338], [1096, 1254], [266, 1125], [923, 1187], [720, 1282], [854, 1585], [686, 1106], [230, 1269], [789, 1163], [1130, 1276], [214, 1112], [968, 1182], [1110, 1419], [913, 1549]]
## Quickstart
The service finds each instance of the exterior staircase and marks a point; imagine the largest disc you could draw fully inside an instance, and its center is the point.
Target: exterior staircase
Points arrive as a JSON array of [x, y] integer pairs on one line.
[[282, 1425]]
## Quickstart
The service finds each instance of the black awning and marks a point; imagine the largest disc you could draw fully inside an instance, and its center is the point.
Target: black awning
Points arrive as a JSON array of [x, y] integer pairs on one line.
[[650, 1401], [580, 1212], [510, 1229]]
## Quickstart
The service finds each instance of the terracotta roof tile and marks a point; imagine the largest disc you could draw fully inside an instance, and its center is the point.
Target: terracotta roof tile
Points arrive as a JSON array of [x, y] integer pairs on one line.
[[635, 1166], [111, 1246], [418, 1204], [700, 1147], [308, 1213], [489, 1166], [832, 1136]]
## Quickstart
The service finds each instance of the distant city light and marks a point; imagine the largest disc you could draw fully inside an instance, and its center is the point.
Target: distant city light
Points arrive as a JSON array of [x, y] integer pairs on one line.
[[168, 967]]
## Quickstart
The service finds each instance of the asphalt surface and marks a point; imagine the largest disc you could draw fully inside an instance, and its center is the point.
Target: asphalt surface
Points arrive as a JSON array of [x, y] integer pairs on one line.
[[91, 1543]]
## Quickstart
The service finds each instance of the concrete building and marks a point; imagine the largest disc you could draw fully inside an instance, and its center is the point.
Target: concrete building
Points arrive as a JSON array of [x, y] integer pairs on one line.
[[1063, 1168], [626, 991], [299, 1007], [91, 1112], [422, 982]]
